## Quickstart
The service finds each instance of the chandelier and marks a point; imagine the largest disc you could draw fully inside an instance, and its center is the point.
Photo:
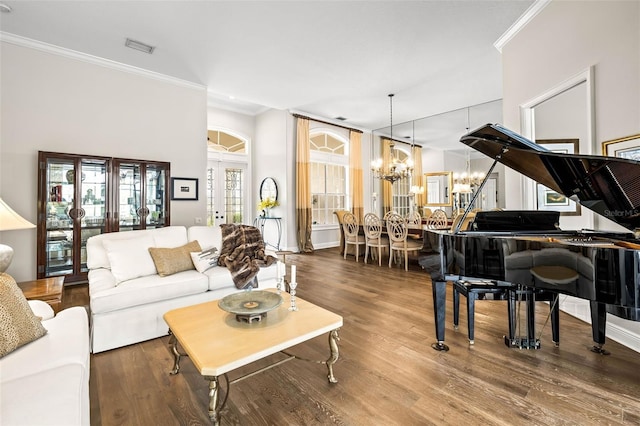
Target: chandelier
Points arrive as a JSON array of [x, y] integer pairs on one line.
[[463, 183], [396, 169], [466, 182]]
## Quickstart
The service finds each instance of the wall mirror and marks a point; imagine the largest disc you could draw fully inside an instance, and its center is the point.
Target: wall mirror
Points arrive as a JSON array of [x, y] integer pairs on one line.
[[438, 189], [268, 189]]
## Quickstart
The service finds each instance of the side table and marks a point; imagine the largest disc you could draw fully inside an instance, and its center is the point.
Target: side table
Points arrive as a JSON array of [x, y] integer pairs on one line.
[[260, 221], [46, 289]]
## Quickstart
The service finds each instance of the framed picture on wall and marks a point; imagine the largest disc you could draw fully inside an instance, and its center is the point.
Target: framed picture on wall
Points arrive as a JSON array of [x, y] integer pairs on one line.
[[184, 189], [548, 199], [627, 147]]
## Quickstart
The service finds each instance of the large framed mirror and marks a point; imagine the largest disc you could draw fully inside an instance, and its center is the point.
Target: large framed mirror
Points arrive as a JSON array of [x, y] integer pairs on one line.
[[438, 189], [268, 189]]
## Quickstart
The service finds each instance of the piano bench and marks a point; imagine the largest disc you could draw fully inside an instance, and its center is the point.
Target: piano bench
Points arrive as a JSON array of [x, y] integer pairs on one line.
[[476, 290]]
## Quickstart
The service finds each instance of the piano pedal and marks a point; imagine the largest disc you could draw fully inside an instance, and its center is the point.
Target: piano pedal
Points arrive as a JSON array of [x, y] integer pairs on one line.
[[522, 343], [600, 350], [440, 346]]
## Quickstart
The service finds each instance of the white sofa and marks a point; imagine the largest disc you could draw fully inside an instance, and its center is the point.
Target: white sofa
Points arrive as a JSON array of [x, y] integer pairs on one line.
[[131, 311], [46, 382]]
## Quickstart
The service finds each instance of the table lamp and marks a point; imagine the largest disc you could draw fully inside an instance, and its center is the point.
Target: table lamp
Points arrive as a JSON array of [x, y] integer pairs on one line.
[[9, 220]]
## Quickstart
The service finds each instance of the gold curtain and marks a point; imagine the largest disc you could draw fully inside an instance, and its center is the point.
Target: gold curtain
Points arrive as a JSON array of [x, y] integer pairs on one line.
[[355, 174], [417, 174], [387, 202], [303, 187]]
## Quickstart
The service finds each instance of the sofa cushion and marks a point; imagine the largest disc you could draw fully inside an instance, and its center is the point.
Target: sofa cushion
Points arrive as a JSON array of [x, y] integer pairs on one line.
[[205, 260], [170, 236], [207, 236], [130, 258], [169, 261], [148, 289], [18, 324]]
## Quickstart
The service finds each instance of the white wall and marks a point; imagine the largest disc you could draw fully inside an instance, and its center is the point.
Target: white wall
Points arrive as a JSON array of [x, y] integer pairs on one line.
[[563, 40], [52, 102]]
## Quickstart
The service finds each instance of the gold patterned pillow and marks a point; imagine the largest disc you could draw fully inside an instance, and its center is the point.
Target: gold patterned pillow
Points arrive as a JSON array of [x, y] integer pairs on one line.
[[18, 324], [169, 261]]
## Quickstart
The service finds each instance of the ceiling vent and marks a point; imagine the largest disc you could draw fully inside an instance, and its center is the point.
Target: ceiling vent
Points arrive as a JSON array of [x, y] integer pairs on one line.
[[139, 46]]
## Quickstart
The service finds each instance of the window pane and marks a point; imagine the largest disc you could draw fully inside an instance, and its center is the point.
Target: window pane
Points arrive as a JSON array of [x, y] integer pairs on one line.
[[233, 195]]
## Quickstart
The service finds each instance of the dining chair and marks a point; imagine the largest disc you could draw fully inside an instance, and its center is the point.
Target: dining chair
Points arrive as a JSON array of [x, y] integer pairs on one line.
[[340, 216], [397, 231], [373, 237], [414, 220], [387, 214], [351, 234], [466, 221], [437, 220]]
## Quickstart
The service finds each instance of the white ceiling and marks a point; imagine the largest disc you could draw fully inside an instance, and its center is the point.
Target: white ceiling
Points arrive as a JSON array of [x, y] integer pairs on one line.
[[321, 58]]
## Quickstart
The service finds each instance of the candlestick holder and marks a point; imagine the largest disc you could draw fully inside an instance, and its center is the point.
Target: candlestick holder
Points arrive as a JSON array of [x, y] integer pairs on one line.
[[292, 293], [279, 283]]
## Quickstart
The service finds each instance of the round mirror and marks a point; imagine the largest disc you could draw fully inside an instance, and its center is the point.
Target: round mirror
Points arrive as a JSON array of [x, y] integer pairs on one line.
[[268, 189]]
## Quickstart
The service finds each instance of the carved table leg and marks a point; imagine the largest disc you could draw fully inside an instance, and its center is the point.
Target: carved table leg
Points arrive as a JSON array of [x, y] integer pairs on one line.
[[214, 407], [333, 345], [174, 349]]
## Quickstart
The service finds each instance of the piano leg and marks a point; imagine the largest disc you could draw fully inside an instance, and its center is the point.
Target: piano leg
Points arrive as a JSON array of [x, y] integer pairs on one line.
[[439, 304], [598, 324], [554, 305]]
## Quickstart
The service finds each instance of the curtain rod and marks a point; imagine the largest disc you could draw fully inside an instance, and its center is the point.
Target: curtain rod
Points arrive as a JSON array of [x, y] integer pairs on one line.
[[326, 122]]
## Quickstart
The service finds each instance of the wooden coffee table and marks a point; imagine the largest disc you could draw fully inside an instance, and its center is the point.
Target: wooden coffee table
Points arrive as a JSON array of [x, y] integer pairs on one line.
[[217, 342], [46, 289]]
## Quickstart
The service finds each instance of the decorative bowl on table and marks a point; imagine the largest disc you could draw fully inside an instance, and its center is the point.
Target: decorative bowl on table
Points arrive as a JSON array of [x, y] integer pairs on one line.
[[250, 305]]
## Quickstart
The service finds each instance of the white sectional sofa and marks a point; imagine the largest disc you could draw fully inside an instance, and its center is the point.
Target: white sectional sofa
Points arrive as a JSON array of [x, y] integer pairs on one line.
[[46, 382], [130, 311]]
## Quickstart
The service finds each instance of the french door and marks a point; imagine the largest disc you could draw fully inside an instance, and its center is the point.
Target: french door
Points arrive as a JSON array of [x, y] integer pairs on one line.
[[227, 190]]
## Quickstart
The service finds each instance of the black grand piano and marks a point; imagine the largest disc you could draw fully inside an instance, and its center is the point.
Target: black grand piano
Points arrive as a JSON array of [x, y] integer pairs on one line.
[[503, 246]]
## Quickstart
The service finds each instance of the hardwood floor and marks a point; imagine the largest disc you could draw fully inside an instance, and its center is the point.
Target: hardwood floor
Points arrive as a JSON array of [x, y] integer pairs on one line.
[[387, 373]]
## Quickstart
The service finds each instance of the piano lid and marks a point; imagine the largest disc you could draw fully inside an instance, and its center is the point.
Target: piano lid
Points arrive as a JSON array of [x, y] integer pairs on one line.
[[609, 186]]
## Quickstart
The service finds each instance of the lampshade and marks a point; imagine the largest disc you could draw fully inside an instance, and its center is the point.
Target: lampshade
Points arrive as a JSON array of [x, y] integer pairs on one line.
[[9, 220]]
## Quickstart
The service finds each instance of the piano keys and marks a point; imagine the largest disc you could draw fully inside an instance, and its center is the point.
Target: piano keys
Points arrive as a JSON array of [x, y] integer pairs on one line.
[[503, 246]]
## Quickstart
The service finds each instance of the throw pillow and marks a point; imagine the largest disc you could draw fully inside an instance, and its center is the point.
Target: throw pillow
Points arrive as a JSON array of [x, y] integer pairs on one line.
[[130, 258], [205, 260], [18, 324], [170, 261]]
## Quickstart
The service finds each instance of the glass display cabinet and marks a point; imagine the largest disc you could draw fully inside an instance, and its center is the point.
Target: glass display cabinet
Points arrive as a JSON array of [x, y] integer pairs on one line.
[[141, 196], [82, 196]]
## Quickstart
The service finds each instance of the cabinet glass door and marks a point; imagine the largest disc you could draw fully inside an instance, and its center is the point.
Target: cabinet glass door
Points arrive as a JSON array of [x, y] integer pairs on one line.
[[156, 177], [129, 204], [60, 178], [93, 204]]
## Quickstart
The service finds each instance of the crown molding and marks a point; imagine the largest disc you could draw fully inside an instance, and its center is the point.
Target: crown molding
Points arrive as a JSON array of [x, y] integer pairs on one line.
[[522, 22], [95, 60]]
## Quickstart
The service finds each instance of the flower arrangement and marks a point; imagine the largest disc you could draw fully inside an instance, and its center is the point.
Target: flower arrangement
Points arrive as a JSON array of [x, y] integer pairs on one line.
[[268, 203]]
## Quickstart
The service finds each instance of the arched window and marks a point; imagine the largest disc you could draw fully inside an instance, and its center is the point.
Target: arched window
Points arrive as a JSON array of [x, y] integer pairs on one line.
[[329, 176], [224, 142]]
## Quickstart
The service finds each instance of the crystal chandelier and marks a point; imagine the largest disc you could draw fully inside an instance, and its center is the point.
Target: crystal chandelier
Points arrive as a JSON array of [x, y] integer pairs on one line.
[[466, 182], [396, 169]]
